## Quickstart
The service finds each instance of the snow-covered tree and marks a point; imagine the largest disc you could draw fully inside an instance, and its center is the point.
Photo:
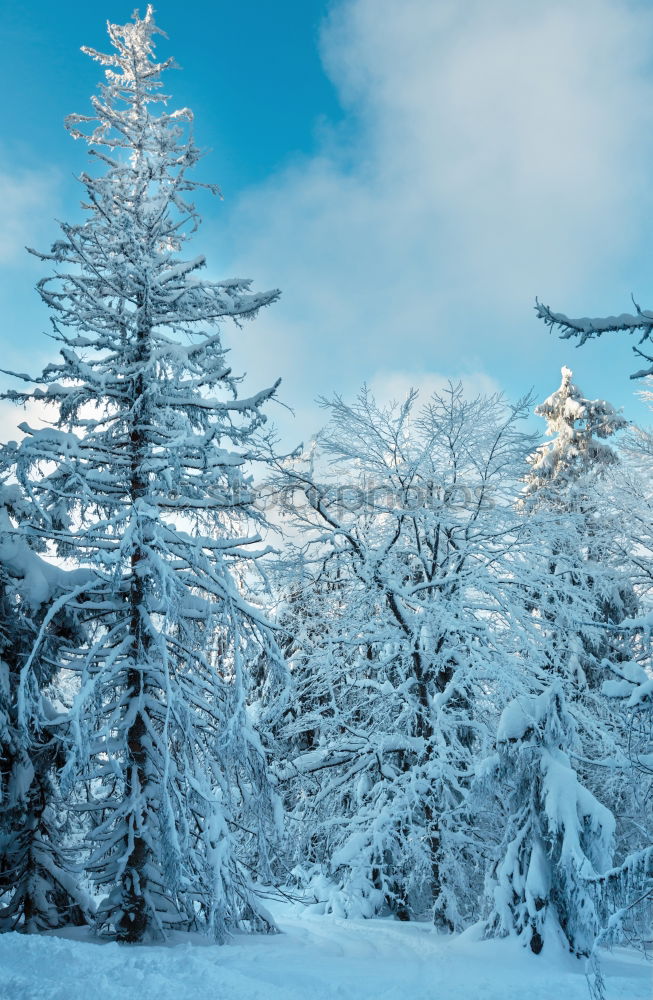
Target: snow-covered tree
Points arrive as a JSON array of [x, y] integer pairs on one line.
[[558, 838], [565, 479], [609, 498], [575, 479], [142, 474], [38, 884], [579, 428], [628, 685], [412, 627]]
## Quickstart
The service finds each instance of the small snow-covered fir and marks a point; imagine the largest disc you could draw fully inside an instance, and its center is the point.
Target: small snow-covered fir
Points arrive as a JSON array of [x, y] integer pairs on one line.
[[558, 839]]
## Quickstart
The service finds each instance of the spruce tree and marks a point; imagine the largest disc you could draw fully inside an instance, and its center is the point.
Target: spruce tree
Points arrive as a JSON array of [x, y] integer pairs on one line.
[[558, 838], [143, 476], [565, 479], [564, 467], [571, 484]]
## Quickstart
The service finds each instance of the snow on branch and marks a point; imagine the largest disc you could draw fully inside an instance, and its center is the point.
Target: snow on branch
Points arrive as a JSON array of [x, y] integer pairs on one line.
[[585, 328]]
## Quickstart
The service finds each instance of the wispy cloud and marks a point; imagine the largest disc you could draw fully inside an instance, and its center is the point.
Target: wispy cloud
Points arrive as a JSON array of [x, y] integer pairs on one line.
[[27, 206], [491, 152]]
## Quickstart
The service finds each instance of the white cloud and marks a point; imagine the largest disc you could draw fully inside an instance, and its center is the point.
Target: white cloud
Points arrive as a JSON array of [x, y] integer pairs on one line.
[[504, 138], [11, 416], [492, 151], [26, 210]]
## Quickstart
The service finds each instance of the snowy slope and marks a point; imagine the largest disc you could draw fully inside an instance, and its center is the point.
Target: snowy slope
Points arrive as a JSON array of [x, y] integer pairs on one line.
[[314, 959]]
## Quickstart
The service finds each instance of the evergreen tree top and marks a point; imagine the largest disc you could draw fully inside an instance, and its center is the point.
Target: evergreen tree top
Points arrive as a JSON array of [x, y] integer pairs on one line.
[[120, 272], [579, 427]]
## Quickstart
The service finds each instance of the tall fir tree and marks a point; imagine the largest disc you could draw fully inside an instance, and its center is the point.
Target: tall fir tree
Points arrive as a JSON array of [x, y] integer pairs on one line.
[[585, 328], [565, 478], [578, 478], [143, 476]]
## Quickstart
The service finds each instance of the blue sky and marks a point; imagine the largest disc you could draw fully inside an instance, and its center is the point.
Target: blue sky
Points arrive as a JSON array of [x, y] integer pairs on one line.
[[410, 173]]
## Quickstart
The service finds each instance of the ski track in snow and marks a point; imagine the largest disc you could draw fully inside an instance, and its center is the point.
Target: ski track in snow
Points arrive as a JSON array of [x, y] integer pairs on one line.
[[313, 959]]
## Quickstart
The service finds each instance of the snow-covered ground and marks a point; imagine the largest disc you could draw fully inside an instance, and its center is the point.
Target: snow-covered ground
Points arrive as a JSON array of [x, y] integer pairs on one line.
[[315, 958]]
